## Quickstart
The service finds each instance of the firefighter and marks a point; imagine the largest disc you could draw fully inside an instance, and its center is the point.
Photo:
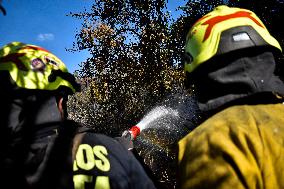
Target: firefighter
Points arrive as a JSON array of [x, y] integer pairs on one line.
[[231, 60], [40, 147]]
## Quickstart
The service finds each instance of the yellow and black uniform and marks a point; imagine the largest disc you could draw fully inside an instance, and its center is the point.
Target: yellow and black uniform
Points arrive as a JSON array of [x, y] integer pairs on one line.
[[240, 141]]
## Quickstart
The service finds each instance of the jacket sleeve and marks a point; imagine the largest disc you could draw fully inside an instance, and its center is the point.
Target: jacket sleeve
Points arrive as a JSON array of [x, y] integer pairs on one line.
[[102, 162]]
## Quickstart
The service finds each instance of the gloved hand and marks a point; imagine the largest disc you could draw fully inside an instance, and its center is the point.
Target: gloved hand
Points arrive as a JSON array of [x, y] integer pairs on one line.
[[125, 140]]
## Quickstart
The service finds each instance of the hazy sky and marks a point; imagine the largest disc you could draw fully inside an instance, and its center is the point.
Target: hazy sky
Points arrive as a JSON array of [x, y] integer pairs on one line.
[[44, 23]]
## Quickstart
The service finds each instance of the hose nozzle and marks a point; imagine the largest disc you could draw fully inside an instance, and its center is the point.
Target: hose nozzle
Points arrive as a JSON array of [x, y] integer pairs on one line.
[[132, 133]]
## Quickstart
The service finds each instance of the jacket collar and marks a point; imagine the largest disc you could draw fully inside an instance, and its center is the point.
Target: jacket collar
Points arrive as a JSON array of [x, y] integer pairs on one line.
[[235, 79]]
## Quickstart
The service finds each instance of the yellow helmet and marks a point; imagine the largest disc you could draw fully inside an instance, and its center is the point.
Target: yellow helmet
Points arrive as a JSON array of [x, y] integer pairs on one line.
[[224, 30], [32, 67]]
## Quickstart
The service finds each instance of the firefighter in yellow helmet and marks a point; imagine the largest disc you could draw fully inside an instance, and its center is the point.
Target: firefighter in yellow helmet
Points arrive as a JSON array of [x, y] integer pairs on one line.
[[230, 60], [40, 148]]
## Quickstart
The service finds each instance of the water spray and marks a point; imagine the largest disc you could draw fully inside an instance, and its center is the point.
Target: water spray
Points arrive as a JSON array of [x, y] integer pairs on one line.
[[159, 128], [153, 115]]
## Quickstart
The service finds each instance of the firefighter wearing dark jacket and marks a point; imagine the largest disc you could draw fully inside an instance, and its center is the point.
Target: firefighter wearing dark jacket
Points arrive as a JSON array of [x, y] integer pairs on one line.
[[40, 148], [240, 144]]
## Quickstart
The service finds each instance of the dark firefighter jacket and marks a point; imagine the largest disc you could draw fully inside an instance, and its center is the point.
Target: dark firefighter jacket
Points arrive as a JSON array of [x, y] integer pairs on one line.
[[67, 158], [241, 143]]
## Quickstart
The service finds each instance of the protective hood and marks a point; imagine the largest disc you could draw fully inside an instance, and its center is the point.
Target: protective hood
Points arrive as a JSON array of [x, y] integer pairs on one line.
[[235, 78], [23, 119]]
